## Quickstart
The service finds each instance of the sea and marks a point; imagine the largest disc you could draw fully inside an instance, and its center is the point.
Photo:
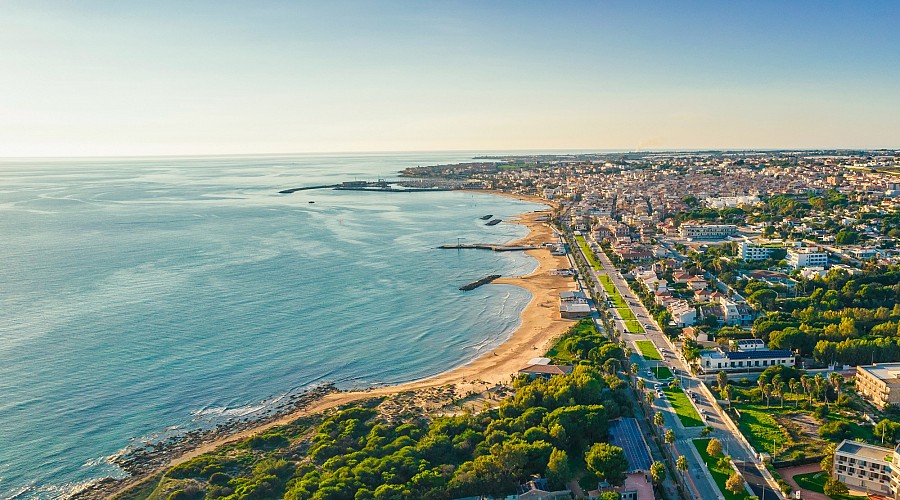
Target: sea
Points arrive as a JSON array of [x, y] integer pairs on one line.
[[145, 297]]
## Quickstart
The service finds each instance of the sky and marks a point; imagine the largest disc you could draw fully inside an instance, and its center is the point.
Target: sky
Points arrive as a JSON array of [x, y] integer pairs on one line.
[[117, 78]]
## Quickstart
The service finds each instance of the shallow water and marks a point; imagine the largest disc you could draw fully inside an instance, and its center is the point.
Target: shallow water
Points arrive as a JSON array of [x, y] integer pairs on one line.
[[138, 296]]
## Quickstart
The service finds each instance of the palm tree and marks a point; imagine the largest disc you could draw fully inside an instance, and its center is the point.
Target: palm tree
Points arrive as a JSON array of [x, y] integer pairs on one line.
[[634, 369], [670, 439], [726, 394], [641, 385], [682, 465], [767, 392], [804, 382], [781, 388], [836, 380], [820, 386], [794, 386], [658, 419], [649, 398]]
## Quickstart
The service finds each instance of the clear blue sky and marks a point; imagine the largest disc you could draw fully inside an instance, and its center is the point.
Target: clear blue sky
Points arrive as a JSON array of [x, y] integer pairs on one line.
[[159, 77]]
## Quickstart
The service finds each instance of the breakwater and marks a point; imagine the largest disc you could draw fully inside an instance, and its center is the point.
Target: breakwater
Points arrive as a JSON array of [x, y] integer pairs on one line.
[[493, 248], [475, 284]]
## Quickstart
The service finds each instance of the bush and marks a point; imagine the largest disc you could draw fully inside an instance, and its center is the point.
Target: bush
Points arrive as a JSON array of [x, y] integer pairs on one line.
[[835, 431], [821, 412], [833, 487], [219, 479]]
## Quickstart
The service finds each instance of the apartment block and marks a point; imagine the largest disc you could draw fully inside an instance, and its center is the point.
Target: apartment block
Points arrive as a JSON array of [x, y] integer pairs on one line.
[[879, 383], [866, 467], [707, 231], [806, 257]]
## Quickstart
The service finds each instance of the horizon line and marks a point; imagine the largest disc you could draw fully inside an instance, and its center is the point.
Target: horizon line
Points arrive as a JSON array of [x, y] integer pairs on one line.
[[461, 151]]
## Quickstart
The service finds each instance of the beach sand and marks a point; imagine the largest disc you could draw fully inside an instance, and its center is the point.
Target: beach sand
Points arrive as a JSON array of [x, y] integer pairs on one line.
[[541, 325]]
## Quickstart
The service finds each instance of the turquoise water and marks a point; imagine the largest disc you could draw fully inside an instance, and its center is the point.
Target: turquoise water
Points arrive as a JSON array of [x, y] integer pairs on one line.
[[138, 296]]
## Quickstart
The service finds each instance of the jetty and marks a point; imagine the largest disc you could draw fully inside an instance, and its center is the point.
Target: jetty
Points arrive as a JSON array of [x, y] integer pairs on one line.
[[493, 248], [475, 284], [494, 222], [380, 186], [486, 217]]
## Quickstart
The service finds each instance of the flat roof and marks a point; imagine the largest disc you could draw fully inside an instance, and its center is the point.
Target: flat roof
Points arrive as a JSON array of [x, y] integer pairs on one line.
[[625, 433], [865, 450], [883, 371]]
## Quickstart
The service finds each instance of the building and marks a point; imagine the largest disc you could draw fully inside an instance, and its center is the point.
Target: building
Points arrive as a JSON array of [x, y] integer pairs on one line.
[[538, 489], [707, 231], [749, 344], [866, 467], [573, 305], [683, 314], [806, 257], [879, 383], [544, 370], [743, 361], [752, 251]]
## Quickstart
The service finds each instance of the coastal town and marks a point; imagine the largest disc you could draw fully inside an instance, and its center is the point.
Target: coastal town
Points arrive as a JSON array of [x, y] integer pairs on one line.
[[705, 325]]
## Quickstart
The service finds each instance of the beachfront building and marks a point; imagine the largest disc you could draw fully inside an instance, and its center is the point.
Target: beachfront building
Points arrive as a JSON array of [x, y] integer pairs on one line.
[[798, 258], [879, 383], [707, 231], [743, 361], [866, 467], [573, 305]]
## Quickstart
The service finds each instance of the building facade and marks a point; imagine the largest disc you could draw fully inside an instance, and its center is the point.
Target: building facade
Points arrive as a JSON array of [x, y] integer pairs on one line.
[[879, 383], [751, 251], [866, 467], [806, 257], [707, 231], [743, 361]]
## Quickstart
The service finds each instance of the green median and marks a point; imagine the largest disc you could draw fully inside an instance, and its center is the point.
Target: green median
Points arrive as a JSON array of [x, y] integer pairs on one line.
[[683, 407], [648, 350]]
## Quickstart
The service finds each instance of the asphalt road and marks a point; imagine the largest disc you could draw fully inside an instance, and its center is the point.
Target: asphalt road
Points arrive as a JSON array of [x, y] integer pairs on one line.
[[700, 483]]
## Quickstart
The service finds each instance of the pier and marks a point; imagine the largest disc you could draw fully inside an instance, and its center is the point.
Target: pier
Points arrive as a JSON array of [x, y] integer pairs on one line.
[[380, 186], [493, 248]]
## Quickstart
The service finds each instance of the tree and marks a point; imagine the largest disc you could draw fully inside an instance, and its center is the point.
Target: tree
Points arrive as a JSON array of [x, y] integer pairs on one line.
[[658, 419], [735, 483], [670, 437], [834, 488], [722, 379], [641, 385], [658, 472], [682, 465], [714, 448], [607, 462], [559, 470], [887, 430], [764, 299], [827, 462]]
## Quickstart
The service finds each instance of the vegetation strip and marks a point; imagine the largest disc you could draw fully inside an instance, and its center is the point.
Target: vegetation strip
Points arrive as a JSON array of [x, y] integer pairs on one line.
[[719, 472], [648, 350], [683, 407]]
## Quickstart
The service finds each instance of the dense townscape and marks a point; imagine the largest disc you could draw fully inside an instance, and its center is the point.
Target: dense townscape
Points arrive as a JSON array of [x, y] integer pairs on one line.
[[735, 334]]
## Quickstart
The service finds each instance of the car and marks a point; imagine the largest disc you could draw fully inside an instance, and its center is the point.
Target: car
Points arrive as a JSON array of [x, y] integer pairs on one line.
[[650, 373]]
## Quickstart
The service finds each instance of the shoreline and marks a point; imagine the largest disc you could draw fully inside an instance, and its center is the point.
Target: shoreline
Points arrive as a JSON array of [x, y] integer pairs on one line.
[[540, 326]]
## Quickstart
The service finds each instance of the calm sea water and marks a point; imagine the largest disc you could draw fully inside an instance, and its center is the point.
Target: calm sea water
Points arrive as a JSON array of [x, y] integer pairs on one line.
[[143, 295]]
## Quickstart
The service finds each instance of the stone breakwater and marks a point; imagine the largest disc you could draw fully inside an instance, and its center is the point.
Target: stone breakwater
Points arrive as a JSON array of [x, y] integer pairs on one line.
[[152, 457]]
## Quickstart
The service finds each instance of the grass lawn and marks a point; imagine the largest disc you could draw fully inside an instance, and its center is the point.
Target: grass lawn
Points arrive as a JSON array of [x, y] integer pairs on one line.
[[588, 253], [606, 281], [662, 372], [685, 410], [815, 481], [625, 313], [719, 474], [648, 350], [760, 428], [634, 326], [562, 351]]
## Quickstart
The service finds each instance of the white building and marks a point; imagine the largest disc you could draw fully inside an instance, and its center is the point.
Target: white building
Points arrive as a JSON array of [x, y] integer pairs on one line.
[[806, 257], [683, 314], [752, 251], [749, 344], [866, 467], [707, 231], [743, 361]]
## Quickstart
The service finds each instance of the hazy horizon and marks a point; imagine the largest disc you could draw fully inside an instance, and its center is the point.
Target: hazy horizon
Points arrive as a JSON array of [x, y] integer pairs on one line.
[[98, 79]]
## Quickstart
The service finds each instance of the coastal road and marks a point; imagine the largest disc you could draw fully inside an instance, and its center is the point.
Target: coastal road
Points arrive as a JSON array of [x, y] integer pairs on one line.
[[702, 483]]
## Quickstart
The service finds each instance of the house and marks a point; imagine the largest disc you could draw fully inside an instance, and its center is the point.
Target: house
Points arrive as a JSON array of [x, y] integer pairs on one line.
[[573, 305], [538, 489], [748, 345], [683, 314]]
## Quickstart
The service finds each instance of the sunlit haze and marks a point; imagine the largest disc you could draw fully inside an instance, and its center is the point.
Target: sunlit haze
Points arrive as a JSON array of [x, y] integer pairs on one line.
[[95, 78]]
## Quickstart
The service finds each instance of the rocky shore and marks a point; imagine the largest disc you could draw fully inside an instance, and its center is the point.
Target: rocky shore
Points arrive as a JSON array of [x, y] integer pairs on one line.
[[139, 462]]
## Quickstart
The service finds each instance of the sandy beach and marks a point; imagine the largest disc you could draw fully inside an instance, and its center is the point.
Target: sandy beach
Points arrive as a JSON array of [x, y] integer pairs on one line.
[[541, 324]]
